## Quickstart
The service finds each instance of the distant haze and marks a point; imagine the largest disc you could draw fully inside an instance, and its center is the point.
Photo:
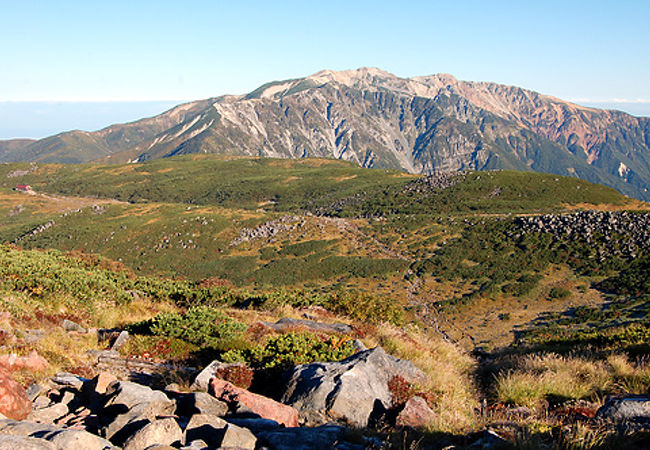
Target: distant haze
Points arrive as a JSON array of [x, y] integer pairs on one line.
[[41, 119]]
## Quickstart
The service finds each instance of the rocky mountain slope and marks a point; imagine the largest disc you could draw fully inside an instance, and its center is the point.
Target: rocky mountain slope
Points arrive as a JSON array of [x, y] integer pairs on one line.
[[422, 125]]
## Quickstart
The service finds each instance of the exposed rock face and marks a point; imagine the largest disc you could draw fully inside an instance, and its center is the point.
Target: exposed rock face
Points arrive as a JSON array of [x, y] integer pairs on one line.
[[163, 431], [32, 362], [416, 414], [258, 404], [631, 408], [426, 125], [354, 390], [14, 402]]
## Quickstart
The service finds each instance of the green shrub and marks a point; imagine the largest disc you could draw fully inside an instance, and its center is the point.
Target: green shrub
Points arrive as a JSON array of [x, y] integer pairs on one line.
[[559, 293], [291, 349], [200, 325]]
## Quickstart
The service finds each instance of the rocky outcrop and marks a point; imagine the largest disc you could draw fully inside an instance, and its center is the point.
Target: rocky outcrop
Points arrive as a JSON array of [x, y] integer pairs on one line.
[[14, 402], [354, 390], [255, 403], [634, 408], [415, 414]]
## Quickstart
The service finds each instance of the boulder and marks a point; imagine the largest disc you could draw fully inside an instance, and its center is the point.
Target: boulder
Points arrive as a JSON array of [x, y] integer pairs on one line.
[[236, 437], [286, 324], [326, 436], [69, 325], [48, 414], [72, 439], [14, 402], [164, 431], [207, 428], [415, 414], [202, 380], [200, 403], [122, 338], [33, 362], [258, 404], [129, 394], [69, 380], [24, 443], [117, 428], [216, 432], [630, 408], [354, 390]]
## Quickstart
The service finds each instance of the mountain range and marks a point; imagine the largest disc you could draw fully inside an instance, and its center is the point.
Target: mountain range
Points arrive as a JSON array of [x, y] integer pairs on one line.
[[425, 125]]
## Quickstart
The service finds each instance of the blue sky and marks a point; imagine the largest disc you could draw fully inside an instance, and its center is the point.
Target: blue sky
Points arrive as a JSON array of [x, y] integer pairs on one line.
[[589, 51]]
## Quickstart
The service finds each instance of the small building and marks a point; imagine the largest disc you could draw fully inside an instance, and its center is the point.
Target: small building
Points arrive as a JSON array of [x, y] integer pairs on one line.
[[23, 187]]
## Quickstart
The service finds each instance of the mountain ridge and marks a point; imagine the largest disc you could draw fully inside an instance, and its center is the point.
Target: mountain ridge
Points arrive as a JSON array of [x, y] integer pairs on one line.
[[425, 124]]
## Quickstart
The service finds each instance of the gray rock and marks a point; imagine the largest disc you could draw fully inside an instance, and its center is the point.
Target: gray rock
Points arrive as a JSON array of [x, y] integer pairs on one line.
[[326, 436], [24, 443], [33, 391], [354, 390], [48, 414], [69, 380], [255, 424], [42, 402], [286, 323], [78, 439], [207, 428], [236, 437], [200, 403], [25, 428], [69, 325], [117, 428], [120, 341], [202, 380], [630, 408], [196, 445], [163, 431], [129, 394]]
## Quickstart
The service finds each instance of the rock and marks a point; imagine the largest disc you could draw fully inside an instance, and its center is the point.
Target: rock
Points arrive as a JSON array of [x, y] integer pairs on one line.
[[263, 406], [326, 436], [416, 414], [236, 437], [200, 403], [120, 341], [78, 439], [197, 444], [26, 428], [33, 391], [33, 336], [207, 428], [69, 380], [117, 428], [24, 443], [634, 408], [202, 380], [69, 325], [129, 394], [32, 362], [41, 402], [48, 414], [163, 431], [254, 424], [286, 323], [355, 389], [102, 381], [14, 402]]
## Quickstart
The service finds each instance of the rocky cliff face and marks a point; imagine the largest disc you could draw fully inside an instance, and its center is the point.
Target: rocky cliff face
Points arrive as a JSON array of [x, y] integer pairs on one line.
[[376, 119]]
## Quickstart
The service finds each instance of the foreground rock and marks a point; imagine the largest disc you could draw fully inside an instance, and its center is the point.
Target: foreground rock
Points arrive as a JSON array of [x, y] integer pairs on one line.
[[32, 362], [416, 414], [327, 436], [634, 408], [263, 406], [14, 403], [163, 432], [354, 390], [46, 436]]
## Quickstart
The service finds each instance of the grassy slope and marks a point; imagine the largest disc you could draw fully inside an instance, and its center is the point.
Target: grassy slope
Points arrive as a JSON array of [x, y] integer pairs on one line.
[[186, 214]]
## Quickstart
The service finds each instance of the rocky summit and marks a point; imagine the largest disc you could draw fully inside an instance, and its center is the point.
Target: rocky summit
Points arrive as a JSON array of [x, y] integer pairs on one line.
[[426, 124]]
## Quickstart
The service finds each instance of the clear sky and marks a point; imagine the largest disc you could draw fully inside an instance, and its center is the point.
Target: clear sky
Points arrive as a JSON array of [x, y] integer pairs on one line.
[[588, 51]]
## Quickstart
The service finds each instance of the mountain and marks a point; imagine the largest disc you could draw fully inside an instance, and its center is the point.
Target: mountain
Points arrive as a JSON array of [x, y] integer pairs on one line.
[[423, 125]]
